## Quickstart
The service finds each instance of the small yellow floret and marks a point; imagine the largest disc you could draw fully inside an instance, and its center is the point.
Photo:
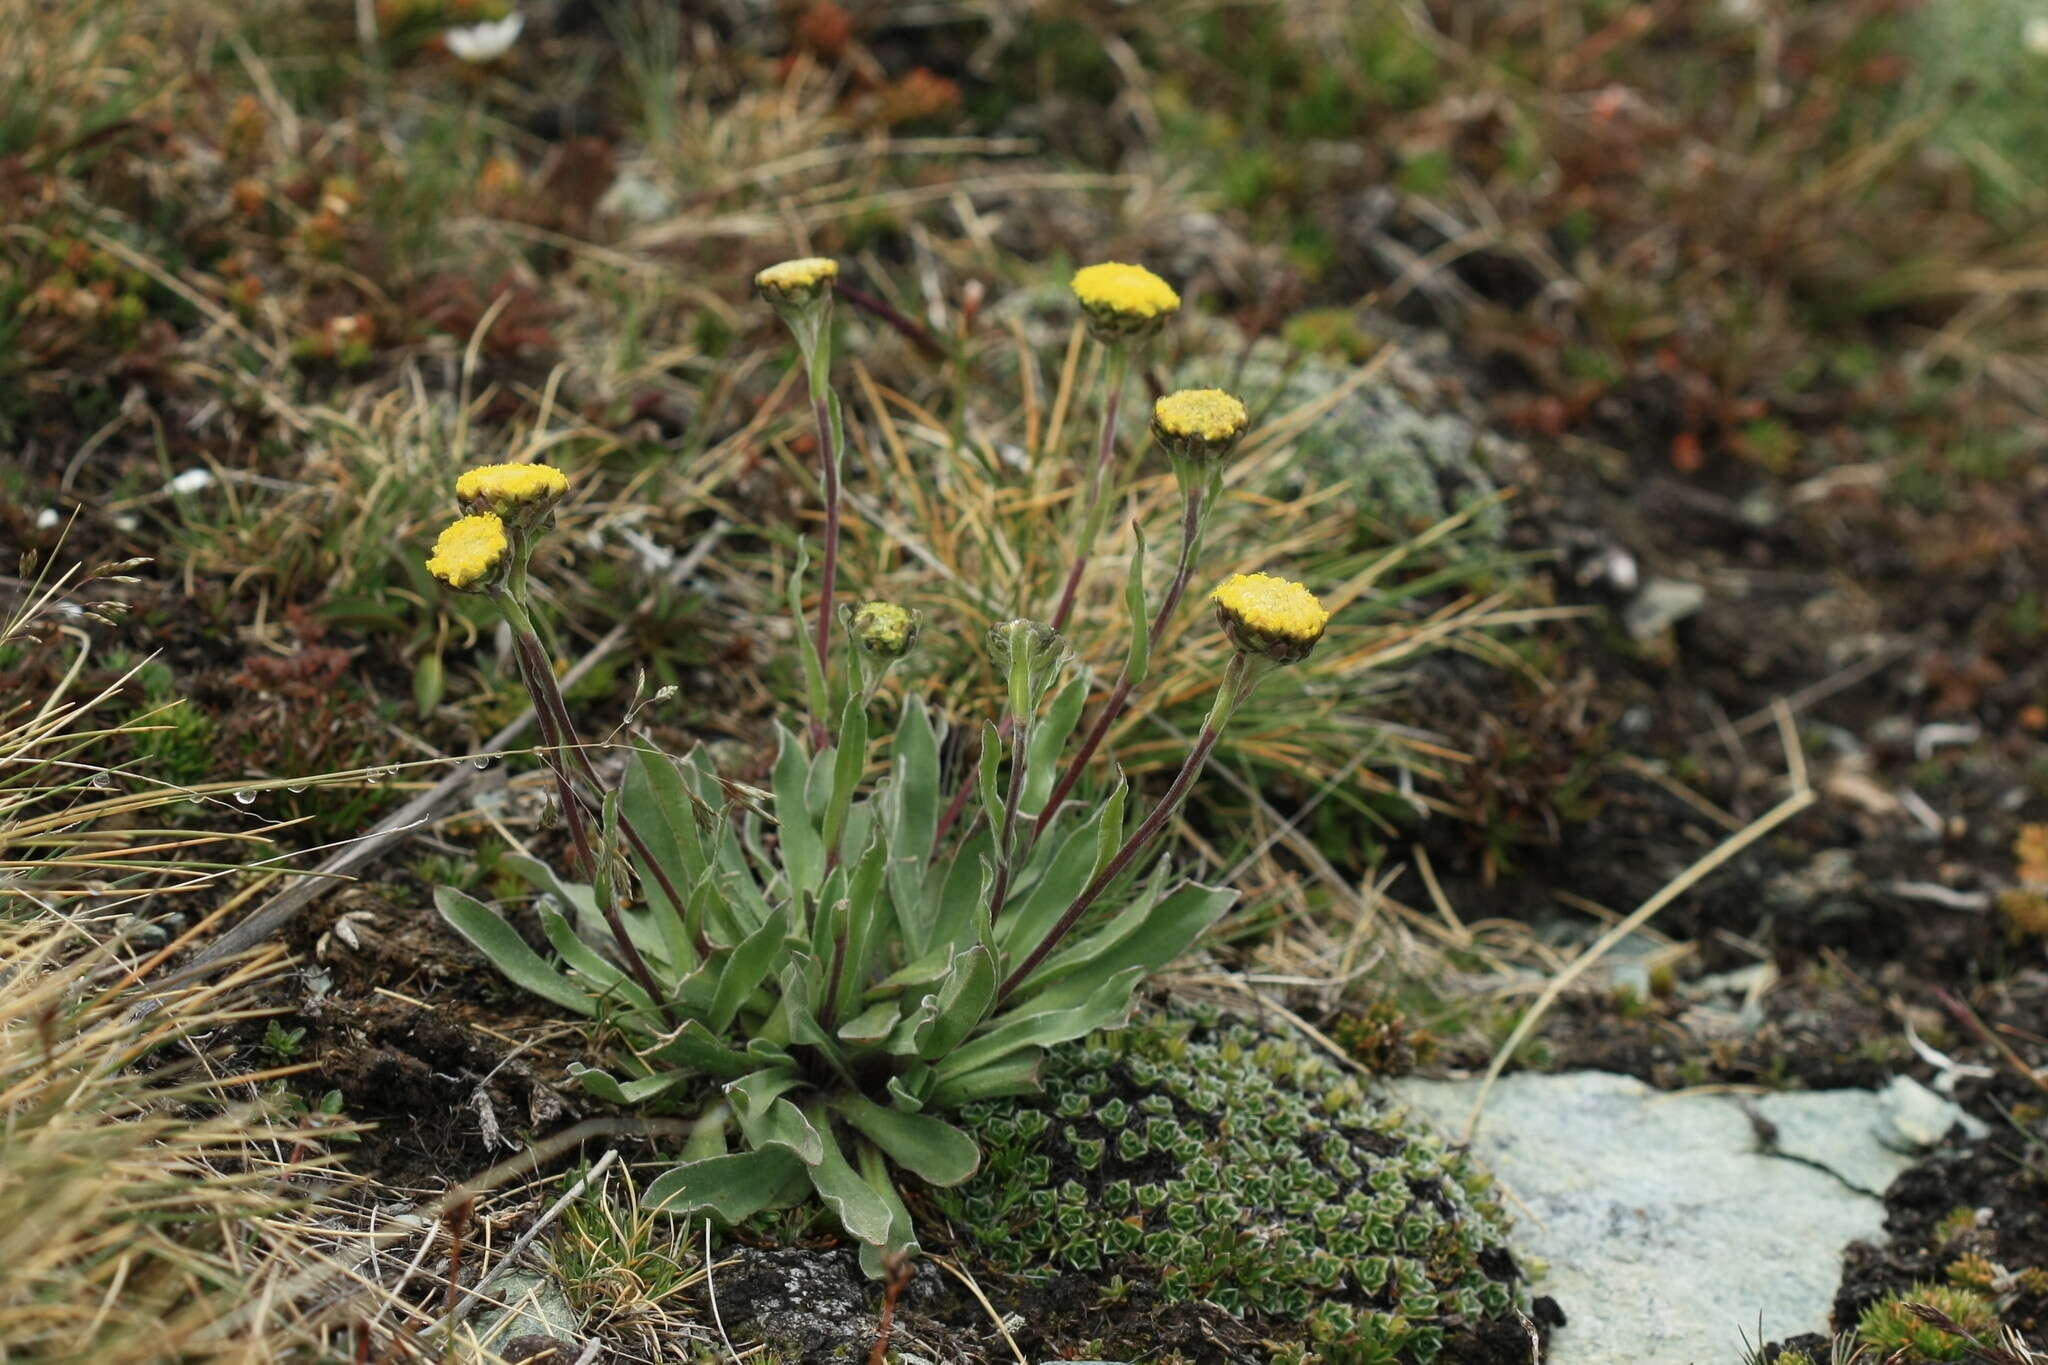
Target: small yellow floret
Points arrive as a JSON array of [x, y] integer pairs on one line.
[[470, 551], [1126, 291], [1201, 414], [803, 276], [506, 488], [1270, 616]]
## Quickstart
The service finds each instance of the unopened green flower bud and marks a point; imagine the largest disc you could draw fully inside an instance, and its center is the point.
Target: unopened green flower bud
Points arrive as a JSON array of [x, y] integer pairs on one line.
[[884, 629]]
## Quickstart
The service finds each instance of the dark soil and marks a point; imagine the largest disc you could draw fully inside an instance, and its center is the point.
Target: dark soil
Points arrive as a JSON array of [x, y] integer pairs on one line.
[[2004, 1181], [417, 1032]]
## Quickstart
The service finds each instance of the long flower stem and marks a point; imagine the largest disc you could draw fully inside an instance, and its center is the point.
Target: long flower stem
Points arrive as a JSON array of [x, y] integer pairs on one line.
[[1117, 367], [829, 568], [556, 731], [1238, 679], [1000, 891], [1190, 539]]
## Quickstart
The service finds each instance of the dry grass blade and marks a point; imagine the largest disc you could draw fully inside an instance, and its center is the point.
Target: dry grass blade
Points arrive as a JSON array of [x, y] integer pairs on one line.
[[141, 1195], [1798, 800]]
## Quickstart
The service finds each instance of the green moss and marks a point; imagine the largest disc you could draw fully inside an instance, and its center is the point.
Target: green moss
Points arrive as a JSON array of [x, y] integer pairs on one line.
[[1889, 1328], [1231, 1166]]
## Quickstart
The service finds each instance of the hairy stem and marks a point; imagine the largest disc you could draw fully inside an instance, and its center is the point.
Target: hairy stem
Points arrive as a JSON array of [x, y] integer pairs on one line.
[[1237, 680], [1117, 367], [559, 734], [1005, 837], [1190, 538]]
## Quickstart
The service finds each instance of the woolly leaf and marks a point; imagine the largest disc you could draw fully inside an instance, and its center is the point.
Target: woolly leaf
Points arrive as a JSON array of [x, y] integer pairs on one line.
[[733, 1187], [861, 1211], [933, 1150], [1049, 735], [499, 942]]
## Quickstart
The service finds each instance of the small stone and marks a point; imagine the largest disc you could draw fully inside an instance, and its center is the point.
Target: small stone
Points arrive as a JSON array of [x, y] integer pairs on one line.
[[1662, 604], [535, 1305], [1912, 1118]]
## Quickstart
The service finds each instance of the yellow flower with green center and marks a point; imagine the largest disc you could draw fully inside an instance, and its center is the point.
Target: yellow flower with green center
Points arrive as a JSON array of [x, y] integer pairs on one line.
[[798, 281], [520, 493], [471, 553], [1123, 300], [1270, 616], [1199, 424], [885, 629]]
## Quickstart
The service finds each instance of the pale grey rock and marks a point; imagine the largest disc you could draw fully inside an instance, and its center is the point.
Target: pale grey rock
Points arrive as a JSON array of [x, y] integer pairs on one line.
[[1670, 1224], [533, 1305]]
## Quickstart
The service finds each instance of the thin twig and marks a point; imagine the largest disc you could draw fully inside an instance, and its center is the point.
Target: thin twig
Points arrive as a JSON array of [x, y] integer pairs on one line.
[[512, 1253]]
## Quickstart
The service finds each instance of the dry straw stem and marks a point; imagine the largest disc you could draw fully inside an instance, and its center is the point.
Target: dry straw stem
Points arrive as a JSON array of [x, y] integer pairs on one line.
[[141, 1195], [1800, 797]]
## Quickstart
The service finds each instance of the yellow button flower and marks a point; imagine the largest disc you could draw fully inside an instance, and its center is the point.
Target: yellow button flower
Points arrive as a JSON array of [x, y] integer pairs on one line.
[[520, 493], [797, 281], [1271, 616], [471, 553], [1199, 424], [1123, 300]]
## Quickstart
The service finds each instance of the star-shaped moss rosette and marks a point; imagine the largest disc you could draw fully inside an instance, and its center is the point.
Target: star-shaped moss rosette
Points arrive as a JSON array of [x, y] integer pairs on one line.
[[1232, 1166]]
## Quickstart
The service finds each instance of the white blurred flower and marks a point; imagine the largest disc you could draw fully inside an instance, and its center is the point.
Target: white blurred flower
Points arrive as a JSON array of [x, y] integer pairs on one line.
[[47, 518], [191, 481], [480, 44], [2034, 35]]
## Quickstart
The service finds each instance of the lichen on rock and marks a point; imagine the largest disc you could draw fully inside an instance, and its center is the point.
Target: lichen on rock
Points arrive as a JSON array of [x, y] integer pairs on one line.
[[1219, 1163]]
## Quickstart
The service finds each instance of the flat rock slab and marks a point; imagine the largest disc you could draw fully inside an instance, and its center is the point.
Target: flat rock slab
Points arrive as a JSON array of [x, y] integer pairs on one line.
[[1666, 1226]]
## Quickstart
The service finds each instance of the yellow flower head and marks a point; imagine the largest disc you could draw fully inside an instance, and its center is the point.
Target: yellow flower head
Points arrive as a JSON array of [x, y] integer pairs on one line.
[[885, 629], [1271, 616], [471, 553], [1123, 300], [1199, 424], [520, 493], [799, 281]]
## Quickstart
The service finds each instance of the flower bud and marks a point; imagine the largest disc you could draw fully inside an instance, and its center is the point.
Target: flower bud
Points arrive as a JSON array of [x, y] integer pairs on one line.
[[884, 629], [1030, 654]]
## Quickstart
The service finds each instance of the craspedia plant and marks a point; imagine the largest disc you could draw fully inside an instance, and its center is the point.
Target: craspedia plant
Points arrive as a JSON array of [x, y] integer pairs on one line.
[[1236, 1167], [1199, 424], [1269, 617], [1123, 301], [519, 494], [471, 553]]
